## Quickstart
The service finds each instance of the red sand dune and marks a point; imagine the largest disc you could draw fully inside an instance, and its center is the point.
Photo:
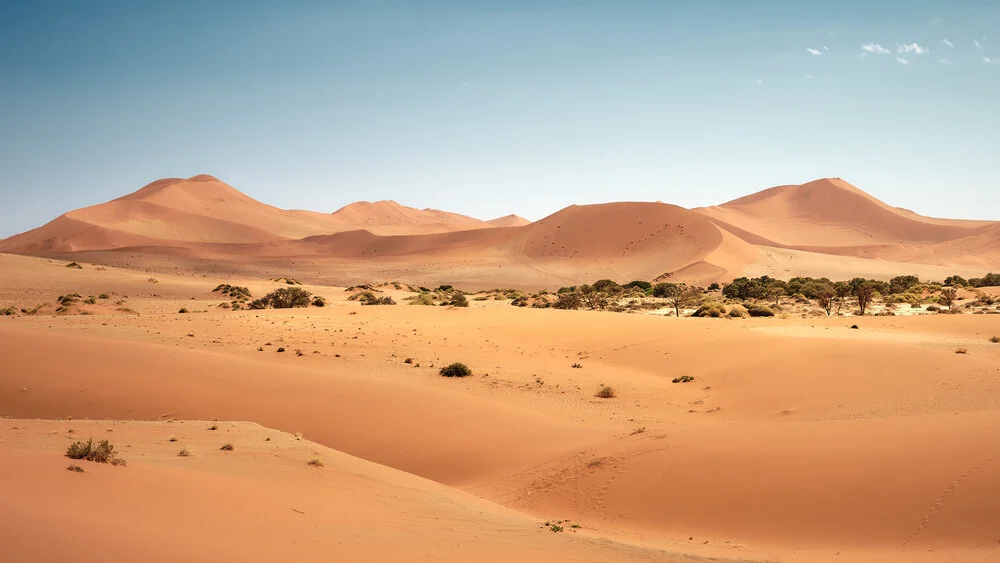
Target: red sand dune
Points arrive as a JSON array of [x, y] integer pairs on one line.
[[509, 221]]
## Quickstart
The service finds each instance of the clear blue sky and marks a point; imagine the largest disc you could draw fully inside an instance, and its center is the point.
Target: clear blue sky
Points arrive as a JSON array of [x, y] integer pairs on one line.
[[489, 108]]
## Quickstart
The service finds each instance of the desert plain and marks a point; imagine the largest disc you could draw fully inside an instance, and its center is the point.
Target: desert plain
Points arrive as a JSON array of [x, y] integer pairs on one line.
[[612, 430]]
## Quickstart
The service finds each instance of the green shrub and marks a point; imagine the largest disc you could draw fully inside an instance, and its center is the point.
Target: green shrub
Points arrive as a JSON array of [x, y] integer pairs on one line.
[[710, 309], [760, 311], [319, 301], [283, 298], [458, 300], [456, 370], [683, 379]]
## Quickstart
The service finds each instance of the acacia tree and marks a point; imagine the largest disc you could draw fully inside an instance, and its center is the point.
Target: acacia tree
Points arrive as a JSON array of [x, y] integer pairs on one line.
[[679, 296], [826, 298], [948, 296], [864, 290]]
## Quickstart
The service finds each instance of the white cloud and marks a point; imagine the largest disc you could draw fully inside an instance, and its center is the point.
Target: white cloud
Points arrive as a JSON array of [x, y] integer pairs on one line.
[[814, 51], [977, 43], [809, 77], [911, 48], [875, 48], [945, 61], [760, 81], [902, 61], [948, 43], [825, 48], [987, 60]]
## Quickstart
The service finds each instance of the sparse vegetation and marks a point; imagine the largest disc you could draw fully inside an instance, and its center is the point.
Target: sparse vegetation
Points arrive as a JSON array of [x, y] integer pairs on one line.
[[456, 370], [227, 447], [683, 379], [995, 339], [606, 392], [458, 300], [316, 462], [184, 452], [8, 312], [408, 361], [183, 310], [759, 311], [319, 301], [961, 350], [577, 366], [101, 452], [75, 468], [74, 265]]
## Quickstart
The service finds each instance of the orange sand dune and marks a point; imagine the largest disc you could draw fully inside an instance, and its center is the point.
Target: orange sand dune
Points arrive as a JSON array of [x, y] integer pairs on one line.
[[509, 221], [260, 502], [826, 214], [175, 211]]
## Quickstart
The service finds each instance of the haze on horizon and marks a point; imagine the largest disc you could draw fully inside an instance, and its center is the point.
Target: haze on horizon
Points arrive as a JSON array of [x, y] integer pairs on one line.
[[488, 109]]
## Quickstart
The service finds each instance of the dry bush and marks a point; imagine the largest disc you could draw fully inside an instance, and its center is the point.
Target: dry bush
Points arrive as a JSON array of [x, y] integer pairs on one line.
[[606, 392], [227, 447], [456, 370]]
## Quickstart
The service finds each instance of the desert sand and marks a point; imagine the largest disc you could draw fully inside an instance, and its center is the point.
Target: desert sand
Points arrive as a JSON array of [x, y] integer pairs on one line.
[[828, 226], [800, 439]]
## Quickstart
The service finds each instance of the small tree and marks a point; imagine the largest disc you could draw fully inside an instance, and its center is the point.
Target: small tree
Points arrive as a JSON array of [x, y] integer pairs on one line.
[[826, 299], [948, 296], [775, 292], [679, 296], [571, 300], [864, 290]]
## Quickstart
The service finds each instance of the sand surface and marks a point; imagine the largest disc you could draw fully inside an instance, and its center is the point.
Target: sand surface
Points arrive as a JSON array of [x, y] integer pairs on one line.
[[798, 440]]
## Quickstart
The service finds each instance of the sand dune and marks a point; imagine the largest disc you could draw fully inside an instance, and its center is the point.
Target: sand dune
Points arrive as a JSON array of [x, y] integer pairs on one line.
[[509, 221], [261, 501], [788, 230]]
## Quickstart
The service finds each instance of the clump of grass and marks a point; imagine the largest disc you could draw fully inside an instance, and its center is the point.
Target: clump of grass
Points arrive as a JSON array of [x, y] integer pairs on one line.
[[213, 427], [227, 447], [555, 527], [316, 462], [103, 296], [74, 265], [319, 301], [683, 379], [90, 300], [101, 452], [995, 340], [577, 366], [456, 370], [606, 392], [961, 350], [173, 438], [408, 361], [8, 312], [75, 468], [184, 452], [183, 310]]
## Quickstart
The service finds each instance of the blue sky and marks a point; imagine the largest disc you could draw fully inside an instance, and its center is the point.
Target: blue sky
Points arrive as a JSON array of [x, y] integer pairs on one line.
[[489, 108]]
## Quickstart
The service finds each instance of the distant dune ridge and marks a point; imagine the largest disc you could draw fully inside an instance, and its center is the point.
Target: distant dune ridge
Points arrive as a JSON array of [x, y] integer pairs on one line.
[[203, 219]]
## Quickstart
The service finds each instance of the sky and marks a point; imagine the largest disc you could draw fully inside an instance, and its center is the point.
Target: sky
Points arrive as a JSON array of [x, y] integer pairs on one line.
[[490, 108]]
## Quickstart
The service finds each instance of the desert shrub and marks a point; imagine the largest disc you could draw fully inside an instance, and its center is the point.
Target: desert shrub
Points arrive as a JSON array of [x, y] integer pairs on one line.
[[408, 361], [458, 300], [568, 300], [74, 265], [101, 452], [283, 298], [713, 287], [995, 339], [683, 379], [318, 301], [606, 286], [737, 311], [645, 286], [316, 462], [227, 447], [372, 299], [606, 392], [183, 310], [760, 311], [988, 280], [568, 289], [75, 468], [8, 312], [444, 288], [710, 309], [184, 452], [521, 301], [577, 366], [104, 296], [422, 299], [961, 350], [456, 370], [90, 300], [933, 308]]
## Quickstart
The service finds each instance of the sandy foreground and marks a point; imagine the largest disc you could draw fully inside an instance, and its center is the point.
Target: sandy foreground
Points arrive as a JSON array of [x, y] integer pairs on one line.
[[798, 440]]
